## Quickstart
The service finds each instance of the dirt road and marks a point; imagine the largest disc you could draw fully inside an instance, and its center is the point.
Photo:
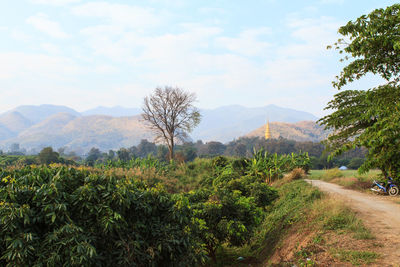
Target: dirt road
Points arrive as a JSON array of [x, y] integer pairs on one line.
[[379, 214]]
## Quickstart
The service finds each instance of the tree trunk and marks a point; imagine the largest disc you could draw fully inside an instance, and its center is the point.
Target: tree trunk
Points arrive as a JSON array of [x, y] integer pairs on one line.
[[211, 253], [171, 149]]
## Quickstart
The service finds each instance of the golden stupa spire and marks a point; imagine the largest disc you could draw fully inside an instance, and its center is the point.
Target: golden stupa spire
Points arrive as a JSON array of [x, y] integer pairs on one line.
[[267, 132]]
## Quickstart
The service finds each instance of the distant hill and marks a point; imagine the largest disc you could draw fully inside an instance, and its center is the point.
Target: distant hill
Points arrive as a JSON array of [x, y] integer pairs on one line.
[[39, 113], [229, 122], [5, 133], [116, 111], [14, 122], [83, 132], [106, 132], [46, 133], [300, 131]]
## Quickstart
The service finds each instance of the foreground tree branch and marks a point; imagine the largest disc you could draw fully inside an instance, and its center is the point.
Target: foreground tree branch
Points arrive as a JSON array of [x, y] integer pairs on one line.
[[369, 118]]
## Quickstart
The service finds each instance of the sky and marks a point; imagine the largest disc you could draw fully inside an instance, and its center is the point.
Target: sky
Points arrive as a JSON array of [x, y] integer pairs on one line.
[[253, 53]]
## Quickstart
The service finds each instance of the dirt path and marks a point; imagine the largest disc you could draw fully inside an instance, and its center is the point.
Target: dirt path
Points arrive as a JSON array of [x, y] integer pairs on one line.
[[380, 215]]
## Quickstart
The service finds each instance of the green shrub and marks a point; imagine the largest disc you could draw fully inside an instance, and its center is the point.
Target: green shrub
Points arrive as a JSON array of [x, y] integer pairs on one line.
[[240, 165], [225, 216], [10, 160], [230, 206], [220, 162], [63, 216]]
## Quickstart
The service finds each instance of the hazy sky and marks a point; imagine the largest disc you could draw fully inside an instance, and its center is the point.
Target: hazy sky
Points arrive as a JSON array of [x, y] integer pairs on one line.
[[255, 52]]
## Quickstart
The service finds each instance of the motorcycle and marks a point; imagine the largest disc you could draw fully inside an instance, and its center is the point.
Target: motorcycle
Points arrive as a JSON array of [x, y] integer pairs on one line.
[[390, 187]]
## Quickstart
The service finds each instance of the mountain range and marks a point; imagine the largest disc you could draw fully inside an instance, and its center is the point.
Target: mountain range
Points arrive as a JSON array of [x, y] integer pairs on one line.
[[35, 127]]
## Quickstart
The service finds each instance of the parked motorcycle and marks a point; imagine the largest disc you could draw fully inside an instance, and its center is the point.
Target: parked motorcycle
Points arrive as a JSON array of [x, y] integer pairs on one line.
[[390, 187]]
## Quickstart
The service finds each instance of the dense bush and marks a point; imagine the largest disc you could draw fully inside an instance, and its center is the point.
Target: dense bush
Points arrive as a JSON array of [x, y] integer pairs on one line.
[[10, 160], [119, 213], [62, 216], [230, 205], [226, 217]]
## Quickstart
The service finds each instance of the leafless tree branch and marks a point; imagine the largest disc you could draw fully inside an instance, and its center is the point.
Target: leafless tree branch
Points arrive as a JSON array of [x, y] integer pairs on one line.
[[170, 113]]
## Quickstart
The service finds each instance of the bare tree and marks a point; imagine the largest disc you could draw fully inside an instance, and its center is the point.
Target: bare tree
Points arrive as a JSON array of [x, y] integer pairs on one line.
[[170, 113]]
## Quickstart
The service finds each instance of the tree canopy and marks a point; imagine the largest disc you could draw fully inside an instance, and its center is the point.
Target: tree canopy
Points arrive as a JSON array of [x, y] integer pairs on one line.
[[369, 117]]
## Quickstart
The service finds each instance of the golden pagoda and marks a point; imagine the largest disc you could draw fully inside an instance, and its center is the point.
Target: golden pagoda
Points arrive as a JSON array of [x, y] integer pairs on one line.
[[267, 132]]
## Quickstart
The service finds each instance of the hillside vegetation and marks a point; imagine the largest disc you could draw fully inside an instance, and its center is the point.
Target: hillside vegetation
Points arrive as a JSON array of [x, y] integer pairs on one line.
[[142, 214], [218, 212]]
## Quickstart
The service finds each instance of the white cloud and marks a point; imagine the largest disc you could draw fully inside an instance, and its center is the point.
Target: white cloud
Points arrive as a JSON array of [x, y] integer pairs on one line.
[[247, 43], [20, 35], [105, 69], [250, 62], [311, 37], [133, 17], [129, 46], [42, 23], [54, 2], [254, 66], [50, 48], [300, 67], [183, 59], [36, 66]]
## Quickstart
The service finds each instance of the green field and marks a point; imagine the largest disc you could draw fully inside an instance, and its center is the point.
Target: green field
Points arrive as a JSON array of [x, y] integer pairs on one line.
[[369, 176], [348, 178]]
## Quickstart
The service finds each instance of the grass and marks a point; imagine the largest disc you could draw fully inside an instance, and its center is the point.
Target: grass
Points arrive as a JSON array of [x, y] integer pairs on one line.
[[335, 215], [347, 178], [355, 257], [294, 198], [321, 174], [305, 209]]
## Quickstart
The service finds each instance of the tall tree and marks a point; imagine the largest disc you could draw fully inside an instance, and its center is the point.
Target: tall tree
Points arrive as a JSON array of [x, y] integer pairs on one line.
[[93, 155], [369, 118], [170, 113], [47, 156], [123, 154], [146, 148]]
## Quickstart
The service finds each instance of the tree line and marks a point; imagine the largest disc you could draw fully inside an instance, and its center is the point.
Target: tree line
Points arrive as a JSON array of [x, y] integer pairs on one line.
[[186, 152]]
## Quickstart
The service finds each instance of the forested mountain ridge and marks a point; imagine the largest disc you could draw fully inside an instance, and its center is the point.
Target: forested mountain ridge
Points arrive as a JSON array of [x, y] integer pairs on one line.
[[34, 127]]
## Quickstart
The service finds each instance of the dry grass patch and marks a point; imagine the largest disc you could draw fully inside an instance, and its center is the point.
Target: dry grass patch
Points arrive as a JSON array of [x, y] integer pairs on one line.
[[295, 174], [331, 174]]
